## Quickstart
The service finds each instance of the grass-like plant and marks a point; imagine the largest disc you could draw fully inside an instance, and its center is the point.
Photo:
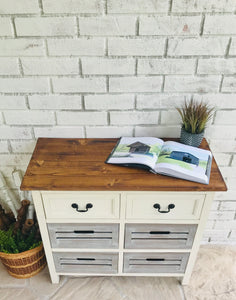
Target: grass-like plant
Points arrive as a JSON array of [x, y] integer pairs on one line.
[[11, 242], [195, 115]]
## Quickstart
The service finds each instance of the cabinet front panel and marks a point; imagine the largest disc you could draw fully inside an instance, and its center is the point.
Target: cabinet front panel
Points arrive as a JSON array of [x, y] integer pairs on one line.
[[155, 262], [81, 205], [167, 206], [86, 262], [83, 235], [159, 236]]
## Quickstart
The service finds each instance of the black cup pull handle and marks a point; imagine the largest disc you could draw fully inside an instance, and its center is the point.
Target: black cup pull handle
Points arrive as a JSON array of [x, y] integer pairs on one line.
[[76, 207], [158, 207]]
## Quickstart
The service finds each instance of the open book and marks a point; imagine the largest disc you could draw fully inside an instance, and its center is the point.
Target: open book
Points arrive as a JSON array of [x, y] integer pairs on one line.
[[167, 158]]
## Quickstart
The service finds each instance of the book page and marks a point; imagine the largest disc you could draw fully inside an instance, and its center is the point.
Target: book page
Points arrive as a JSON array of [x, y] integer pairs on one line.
[[136, 150], [177, 159]]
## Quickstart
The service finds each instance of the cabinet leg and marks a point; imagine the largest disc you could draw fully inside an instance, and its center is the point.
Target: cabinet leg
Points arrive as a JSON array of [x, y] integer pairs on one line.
[[55, 278], [185, 280]]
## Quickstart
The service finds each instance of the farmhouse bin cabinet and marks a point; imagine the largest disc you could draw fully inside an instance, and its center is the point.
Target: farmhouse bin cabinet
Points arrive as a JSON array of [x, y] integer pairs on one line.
[[102, 219]]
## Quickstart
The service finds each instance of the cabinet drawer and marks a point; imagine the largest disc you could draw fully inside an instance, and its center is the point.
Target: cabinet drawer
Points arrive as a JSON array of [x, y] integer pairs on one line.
[[155, 262], [81, 205], [164, 206], [159, 236], [86, 262], [83, 235]]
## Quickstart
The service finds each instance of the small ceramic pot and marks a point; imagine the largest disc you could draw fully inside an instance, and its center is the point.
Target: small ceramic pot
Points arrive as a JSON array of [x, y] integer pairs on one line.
[[191, 139]]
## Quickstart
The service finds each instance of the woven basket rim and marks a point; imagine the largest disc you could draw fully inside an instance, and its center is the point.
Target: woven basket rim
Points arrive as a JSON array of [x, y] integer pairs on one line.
[[21, 254]]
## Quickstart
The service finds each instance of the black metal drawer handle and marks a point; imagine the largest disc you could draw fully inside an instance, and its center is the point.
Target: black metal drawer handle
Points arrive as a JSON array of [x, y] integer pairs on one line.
[[83, 231], [158, 207], [155, 259], [76, 207], [159, 232]]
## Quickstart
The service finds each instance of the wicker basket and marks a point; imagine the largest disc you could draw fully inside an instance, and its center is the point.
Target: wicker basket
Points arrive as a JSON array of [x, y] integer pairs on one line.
[[25, 264]]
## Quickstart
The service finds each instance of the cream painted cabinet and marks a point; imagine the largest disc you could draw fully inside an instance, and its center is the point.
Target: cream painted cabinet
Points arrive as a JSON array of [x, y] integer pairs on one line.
[[121, 233]]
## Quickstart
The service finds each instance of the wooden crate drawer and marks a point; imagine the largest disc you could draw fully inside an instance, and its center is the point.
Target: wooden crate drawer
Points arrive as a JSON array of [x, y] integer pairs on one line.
[[83, 235], [175, 206], [74, 205], [155, 262], [86, 262], [159, 236]]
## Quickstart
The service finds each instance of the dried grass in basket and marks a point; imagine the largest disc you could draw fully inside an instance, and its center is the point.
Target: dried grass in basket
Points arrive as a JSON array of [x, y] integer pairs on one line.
[[25, 264]]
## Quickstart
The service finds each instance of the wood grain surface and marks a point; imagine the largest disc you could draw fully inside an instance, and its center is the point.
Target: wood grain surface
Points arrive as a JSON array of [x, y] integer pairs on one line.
[[79, 165]]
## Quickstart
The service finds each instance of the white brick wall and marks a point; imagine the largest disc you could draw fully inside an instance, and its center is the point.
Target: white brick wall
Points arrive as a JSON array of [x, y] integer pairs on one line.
[[109, 68], [171, 25], [6, 28]]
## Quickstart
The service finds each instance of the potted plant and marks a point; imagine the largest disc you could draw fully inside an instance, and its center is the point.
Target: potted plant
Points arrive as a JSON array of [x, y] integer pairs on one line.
[[21, 249], [195, 116]]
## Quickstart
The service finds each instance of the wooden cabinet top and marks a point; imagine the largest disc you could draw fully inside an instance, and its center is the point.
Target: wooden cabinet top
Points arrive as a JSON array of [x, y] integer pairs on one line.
[[79, 165]]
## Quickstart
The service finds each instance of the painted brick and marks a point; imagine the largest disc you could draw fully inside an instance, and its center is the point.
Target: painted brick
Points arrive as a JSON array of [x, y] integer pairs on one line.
[[222, 159], [6, 27], [135, 84], [137, 6], [19, 7], [107, 26], [76, 47], [192, 84], [15, 160], [134, 118], [229, 84], [137, 46], [220, 101], [221, 132], [108, 66], [12, 102], [225, 225], [24, 85], [23, 147], [195, 6], [46, 26], [229, 195], [227, 146], [228, 205], [217, 66], [55, 102], [221, 215], [234, 161], [197, 46], [170, 117], [232, 50], [166, 66], [50, 66], [81, 118], [59, 132], [72, 6], [169, 25], [158, 131], [9, 66], [10, 132], [231, 183], [225, 117], [108, 102], [83, 85], [108, 131], [228, 171], [160, 101], [4, 147], [21, 47], [216, 236], [29, 117], [220, 25]]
